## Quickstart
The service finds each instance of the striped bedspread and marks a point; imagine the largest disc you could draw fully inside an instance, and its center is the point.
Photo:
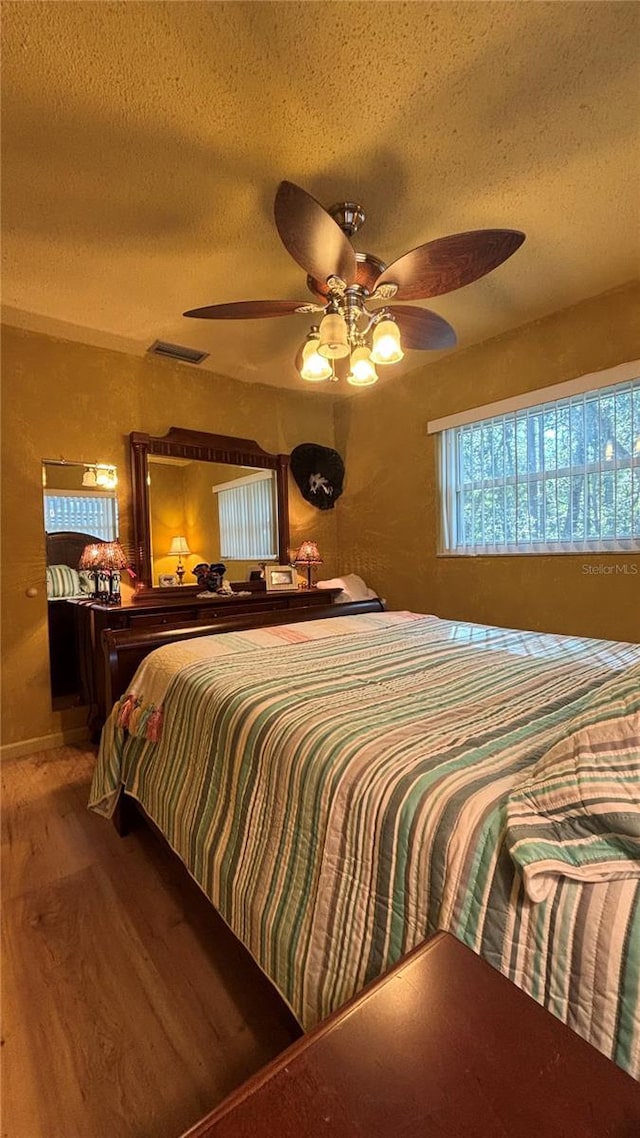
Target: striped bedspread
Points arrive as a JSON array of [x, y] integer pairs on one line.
[[340, 797]]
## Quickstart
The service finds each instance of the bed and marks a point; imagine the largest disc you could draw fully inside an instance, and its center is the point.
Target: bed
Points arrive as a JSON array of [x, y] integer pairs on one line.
[[341, 789]]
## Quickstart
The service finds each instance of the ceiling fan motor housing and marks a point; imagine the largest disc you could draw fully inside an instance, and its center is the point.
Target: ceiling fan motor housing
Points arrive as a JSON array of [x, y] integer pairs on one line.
[[368, 269], [348, 215]]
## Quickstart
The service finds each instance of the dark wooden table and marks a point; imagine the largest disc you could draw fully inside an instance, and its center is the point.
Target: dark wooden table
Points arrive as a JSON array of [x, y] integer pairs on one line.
[[443, 1046]]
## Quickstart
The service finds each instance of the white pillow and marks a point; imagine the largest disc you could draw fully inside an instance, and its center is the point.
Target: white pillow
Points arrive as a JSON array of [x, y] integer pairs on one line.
[[62, 581], [353, 588]]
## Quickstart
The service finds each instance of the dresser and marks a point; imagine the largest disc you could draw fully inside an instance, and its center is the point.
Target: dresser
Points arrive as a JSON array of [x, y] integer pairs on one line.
[[442, 1046], [180, 609]]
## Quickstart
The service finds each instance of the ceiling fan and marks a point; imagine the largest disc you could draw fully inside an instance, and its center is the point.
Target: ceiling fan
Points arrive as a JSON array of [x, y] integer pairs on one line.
[[345, 283]]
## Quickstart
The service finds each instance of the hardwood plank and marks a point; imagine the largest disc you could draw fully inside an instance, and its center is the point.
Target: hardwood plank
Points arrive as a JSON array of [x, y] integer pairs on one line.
[[129, 1007], [42, 838]]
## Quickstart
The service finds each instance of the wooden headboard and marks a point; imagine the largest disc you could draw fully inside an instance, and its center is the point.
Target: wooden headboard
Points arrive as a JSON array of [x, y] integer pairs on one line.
[[125, 649], [65, 548]]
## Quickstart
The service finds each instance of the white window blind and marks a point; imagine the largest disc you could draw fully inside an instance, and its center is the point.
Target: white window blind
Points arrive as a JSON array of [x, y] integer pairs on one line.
[[563, 476], [246, 512], [91, 513]]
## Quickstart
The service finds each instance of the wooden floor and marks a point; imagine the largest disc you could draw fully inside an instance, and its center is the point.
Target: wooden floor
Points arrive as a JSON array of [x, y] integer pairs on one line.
[[129, 1008]]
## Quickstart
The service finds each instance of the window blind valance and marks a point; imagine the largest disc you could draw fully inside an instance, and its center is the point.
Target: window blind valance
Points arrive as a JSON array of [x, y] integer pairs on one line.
[[559, 477], [578, 386]]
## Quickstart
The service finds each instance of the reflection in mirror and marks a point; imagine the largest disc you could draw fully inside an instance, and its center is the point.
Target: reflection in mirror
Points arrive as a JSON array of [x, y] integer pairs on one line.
[[210, 512], [199, 497], [80, 506]]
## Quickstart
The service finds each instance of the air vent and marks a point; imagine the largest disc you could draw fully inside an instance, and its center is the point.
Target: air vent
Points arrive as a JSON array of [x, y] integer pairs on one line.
[[178, 352]]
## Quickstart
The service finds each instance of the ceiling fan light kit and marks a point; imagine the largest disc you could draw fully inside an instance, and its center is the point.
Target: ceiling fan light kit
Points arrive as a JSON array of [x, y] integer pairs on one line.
[[334, 336], [362, 372], [314, 366], [346, 283], [387, 348]]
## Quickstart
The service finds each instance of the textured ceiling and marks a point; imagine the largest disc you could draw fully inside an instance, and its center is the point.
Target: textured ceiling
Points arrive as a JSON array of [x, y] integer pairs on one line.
[[143, 144]]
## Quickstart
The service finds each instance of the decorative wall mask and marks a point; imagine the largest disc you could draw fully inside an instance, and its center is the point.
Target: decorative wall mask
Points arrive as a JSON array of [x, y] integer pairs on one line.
[[319, 474]]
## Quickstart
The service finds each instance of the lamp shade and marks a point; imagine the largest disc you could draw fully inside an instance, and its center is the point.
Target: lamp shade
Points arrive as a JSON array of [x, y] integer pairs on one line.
[[89, 556], [178, 547], [109, 555], [309, 554]]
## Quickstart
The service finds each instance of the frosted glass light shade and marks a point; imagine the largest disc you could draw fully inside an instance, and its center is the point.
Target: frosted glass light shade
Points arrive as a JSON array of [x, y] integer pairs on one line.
[[387, 348], [314, 366], [106, 476], [362, 373], [333, 337]]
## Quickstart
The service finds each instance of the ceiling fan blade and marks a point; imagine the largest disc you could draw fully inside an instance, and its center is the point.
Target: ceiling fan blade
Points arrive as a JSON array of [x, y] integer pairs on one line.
[[252, 309], [311, 235], [449, 263], [421, 329]]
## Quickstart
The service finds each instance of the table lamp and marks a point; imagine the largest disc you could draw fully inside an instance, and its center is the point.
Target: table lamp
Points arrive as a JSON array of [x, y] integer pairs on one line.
[[309, 555], [179, 549], [104, 557], [89, 560]]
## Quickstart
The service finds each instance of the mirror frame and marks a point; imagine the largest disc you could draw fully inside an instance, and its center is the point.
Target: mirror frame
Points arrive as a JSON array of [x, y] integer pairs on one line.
[[202, 447]]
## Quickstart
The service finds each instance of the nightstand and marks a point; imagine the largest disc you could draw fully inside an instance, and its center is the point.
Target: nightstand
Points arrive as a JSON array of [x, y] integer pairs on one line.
[[442, 1046]]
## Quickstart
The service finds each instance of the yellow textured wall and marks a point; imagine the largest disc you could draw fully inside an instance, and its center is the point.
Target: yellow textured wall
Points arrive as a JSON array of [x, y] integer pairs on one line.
[[388, 515], [201, 515], [62, 399], [166, 515]]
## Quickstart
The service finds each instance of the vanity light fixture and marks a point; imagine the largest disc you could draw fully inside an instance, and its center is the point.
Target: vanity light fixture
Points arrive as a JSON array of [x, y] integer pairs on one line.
[[100, 475]]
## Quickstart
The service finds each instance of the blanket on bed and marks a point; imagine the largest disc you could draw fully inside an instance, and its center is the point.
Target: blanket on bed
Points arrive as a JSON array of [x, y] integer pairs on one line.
[[338, 800], [577, 814]]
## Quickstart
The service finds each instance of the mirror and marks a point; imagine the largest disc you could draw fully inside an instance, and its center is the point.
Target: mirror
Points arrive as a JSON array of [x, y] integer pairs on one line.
[[80, 506], [202, 497]]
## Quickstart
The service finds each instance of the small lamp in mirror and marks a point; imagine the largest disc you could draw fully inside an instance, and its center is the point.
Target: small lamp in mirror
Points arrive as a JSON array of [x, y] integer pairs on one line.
[[89, 561], [179, 549], [105, 559], [308, 555]]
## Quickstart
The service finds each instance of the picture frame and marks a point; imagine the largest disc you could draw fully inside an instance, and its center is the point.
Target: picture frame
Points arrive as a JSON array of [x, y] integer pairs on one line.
[[167, 580], [280, 577]]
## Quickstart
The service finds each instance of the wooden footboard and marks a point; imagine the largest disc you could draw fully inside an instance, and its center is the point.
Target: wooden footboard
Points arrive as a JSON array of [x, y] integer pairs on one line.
[[124, 650]]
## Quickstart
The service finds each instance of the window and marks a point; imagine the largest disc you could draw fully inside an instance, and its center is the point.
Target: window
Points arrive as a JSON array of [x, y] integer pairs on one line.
[[563, 476], [93, 513], [246, 512]]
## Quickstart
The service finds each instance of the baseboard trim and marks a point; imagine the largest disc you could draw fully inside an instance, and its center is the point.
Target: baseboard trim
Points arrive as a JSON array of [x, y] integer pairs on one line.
[[43, 743]]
